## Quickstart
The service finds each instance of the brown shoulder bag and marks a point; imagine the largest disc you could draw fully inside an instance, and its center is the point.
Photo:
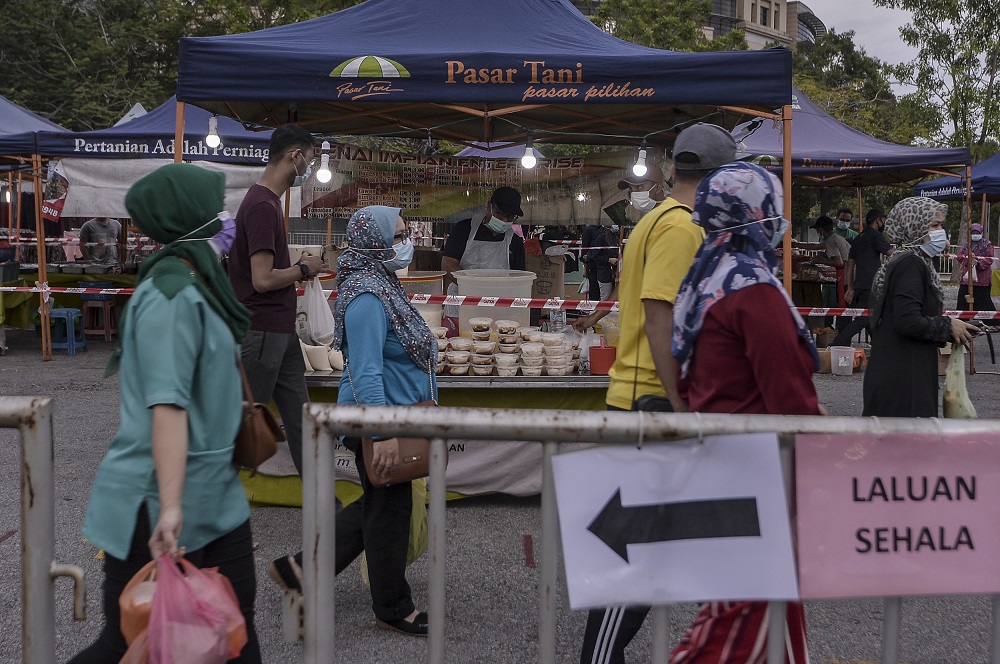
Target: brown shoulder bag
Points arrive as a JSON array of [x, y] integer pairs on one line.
[[257, 439], [414, 453]]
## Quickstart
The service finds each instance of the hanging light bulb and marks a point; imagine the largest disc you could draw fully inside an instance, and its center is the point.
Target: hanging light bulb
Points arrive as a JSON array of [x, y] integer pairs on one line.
[[6, 196], [213, 140], [639, 169], [324, 174], [528, 160]]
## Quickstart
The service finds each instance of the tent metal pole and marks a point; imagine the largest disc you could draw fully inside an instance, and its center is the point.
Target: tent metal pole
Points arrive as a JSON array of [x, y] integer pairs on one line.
[[17, 219], [36, 170], [786, 180], [179, 133], [861, 212], [10, 205], [968, 267]]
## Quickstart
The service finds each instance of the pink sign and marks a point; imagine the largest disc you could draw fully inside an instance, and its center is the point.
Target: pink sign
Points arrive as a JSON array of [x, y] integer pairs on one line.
[[898, 515]]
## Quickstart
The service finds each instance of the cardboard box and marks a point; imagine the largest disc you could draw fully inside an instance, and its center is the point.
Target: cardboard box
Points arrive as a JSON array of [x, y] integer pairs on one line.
[[824, 361], [550, 276], [944, 355]]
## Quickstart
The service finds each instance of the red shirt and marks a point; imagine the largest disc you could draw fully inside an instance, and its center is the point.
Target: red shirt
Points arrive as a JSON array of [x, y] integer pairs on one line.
[[260, 226], [749, 358]]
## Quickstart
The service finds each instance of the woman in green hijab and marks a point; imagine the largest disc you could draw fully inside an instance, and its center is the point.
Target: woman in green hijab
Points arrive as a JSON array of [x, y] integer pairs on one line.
[[168, 483]]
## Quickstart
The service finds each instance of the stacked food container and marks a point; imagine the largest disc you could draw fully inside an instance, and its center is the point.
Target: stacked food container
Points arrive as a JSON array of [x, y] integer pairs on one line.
[[505, 348]]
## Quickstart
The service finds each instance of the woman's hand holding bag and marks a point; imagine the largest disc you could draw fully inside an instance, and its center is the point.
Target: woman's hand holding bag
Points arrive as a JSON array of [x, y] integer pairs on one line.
[[195, 617]]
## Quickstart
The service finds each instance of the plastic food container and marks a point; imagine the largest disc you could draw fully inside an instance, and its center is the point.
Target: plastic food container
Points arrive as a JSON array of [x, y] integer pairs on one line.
[[507, 326], [535, 336], [484, 347], [458, 369], [508, 348], [481, 360], [508, 338], [841, 360], [531, 371], [482, 370], [552, 338], [439, 332], [534, 361], [556, 360], [506, 359], [439, 369], [525, 330], [458, 343], [442, 345], [531, 349], [482, 336], [559, 370], [458, 356], [554, 350], [480, 324], [507, 371]]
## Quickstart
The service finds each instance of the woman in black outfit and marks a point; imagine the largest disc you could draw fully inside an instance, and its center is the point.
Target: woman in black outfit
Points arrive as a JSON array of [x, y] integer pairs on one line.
[[906, 321]]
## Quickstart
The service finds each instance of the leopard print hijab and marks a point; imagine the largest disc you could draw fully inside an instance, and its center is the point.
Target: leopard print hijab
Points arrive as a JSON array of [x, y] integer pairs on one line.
[[905, 225]]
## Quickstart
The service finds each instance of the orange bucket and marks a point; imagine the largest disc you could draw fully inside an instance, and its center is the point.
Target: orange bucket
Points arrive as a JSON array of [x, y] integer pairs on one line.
[[601, 359]]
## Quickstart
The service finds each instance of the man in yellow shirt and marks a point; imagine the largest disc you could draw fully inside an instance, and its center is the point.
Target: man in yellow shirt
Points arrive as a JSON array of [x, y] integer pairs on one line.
[[657, 257]]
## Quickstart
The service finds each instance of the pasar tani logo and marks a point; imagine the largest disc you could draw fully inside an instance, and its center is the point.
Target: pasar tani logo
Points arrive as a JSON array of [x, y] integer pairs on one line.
[[368, 67]]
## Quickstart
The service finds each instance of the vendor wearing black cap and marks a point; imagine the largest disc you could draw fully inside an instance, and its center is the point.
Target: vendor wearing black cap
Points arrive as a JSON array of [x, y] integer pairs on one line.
[[645, 191], [837, 251], [487, 240]]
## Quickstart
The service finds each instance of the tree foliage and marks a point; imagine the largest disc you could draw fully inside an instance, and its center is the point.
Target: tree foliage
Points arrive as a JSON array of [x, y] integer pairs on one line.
[[958, 56], [84, 63], [668, 24]]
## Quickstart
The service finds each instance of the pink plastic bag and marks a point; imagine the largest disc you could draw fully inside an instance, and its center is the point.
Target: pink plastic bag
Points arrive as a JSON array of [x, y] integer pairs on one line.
[[183, 627], [217, 590]]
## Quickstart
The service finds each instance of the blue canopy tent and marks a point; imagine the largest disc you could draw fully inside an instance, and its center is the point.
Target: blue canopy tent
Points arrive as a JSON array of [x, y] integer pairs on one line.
[[152, 135], [471, 71], [828, 153], [406, 67], [17, 130], [985, 183]]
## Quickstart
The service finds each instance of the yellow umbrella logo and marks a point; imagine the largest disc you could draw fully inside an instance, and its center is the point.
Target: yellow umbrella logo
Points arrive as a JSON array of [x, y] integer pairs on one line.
[[370, 66]]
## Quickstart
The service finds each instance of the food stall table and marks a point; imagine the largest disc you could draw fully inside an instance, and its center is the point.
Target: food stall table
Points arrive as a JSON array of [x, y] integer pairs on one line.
[[474, 467]]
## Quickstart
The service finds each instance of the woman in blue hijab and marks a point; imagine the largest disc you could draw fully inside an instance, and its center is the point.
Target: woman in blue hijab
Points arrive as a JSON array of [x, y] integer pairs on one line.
[[389, 359]]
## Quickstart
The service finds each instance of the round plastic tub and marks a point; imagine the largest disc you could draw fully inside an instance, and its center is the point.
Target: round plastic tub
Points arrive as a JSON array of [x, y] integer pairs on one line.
[[842, 360]]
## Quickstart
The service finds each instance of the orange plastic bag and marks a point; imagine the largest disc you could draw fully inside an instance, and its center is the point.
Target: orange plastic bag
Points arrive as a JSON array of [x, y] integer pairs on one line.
[[192, 616], [136, 600], [138, 651]]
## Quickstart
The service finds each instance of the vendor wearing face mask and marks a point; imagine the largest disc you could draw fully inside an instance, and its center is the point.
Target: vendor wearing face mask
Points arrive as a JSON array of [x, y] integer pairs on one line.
[[645, 192], [487, 240], [845, 218]]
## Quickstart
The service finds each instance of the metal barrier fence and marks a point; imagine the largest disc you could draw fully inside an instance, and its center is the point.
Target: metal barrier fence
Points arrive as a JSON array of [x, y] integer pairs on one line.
[[32, 416], [323, 423]]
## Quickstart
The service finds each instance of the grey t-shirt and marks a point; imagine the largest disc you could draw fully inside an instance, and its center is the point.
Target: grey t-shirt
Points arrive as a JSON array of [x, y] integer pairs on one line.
[[837, 246], [95, 231]]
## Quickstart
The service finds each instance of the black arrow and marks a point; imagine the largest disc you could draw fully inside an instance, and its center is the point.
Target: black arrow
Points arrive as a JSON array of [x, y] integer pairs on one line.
[[619, 526]]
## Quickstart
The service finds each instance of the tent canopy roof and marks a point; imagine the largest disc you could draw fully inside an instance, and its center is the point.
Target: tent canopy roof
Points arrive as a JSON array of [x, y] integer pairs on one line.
[[151, 136], [473, 70], [828, 153], [985, 180], [17, 127]]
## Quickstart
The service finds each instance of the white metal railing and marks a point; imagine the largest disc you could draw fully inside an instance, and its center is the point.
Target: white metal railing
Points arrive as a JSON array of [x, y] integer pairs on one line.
[[32, 416], [323, 422]]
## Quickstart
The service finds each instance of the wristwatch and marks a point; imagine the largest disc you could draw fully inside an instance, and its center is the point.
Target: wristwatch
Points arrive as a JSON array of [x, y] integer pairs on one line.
[[304, 268]]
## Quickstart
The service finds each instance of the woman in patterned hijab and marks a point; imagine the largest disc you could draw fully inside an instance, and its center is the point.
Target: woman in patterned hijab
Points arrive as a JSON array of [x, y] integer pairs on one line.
[[906, 315]]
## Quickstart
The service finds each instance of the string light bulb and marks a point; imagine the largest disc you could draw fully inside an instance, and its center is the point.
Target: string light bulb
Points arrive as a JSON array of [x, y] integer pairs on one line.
[[213, 140], [528, 160], [6, 196], [639, 169], [324, 174]]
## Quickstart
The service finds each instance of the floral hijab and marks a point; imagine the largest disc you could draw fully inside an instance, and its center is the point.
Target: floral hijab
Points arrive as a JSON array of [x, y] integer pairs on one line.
[[905, 226], [360, 270], [739, 206]]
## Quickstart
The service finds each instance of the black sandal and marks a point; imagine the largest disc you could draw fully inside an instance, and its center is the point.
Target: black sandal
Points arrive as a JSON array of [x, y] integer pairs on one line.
[[418, 627], [286, 573]]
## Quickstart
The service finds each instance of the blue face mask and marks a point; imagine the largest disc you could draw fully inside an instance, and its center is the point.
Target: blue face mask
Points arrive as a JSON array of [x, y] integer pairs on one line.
[[498, 225], [936, 244], [301, 179], [403, 256], [222, 241]]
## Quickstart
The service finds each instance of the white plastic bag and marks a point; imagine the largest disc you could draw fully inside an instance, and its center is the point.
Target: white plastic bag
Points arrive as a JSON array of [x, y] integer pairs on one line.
[[957, 404], [319, 316]]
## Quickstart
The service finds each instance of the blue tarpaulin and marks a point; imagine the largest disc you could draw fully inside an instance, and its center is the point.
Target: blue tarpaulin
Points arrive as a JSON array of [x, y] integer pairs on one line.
[[826, 152], [18, 127], [985, 180], [152, 136], [473, 70]]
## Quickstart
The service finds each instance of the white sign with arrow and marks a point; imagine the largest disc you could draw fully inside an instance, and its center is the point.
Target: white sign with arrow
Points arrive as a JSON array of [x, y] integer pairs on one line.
[[677, 522]]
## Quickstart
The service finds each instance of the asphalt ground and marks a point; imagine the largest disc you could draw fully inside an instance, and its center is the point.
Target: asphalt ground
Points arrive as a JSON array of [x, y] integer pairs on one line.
[[492, 587]]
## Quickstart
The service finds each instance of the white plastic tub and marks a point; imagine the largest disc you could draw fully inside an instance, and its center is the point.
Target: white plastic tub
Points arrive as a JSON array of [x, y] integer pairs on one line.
[[493, 283], [841, 360]]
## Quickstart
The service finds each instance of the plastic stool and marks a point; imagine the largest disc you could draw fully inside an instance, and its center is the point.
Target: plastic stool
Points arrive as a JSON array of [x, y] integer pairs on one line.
[[100, 317], [65, 333]]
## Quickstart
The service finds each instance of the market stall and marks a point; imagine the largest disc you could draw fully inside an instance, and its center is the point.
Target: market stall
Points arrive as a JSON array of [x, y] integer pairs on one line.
[[541, 73]]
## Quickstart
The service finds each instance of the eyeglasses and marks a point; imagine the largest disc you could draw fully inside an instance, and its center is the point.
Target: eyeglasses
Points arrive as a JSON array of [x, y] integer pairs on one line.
[[400, 237], [510, 218]]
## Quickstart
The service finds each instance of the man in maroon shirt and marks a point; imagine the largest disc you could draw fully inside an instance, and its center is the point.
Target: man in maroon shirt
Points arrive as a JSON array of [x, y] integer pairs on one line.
[[263, 277]]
